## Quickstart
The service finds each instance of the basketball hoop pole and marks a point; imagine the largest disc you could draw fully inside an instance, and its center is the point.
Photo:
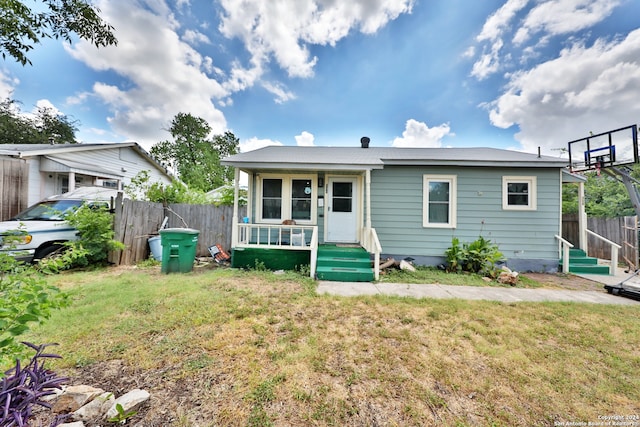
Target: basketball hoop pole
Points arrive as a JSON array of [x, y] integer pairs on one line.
[[628, 182]]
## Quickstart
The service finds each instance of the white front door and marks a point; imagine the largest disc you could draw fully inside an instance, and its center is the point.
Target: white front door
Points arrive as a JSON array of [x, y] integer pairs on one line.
[[342, 210]]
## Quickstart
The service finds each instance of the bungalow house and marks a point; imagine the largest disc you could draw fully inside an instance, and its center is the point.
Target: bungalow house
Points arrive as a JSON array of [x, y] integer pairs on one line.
[[306, 204], [32, 172]]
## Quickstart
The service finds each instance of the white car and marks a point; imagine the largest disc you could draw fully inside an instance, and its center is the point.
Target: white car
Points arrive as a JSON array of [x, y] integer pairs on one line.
[[41, 229]]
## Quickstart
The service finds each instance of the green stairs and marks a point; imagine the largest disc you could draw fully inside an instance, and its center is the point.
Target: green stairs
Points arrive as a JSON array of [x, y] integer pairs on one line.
[[580, 263], [343, 264]]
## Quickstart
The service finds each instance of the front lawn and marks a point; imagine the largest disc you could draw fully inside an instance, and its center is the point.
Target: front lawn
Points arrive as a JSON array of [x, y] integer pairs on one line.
[[234, 348]]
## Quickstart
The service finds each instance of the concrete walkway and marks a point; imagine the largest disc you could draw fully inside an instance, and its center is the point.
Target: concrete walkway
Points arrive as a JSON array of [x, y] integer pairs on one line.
[[471, 292]]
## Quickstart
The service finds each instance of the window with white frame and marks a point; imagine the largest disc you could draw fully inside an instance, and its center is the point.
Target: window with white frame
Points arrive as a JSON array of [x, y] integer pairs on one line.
[[287, 197], [439, 201], [519, 193]]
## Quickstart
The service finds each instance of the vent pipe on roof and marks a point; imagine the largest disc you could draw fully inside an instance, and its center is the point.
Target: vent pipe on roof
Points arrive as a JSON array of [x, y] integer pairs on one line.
[[364, 142]]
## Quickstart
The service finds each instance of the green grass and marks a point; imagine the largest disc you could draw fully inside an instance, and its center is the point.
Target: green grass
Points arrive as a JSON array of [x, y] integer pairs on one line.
[[256, 348]]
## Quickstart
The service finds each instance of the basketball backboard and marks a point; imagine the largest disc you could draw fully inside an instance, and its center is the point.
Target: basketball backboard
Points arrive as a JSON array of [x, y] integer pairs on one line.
[[614, 148]]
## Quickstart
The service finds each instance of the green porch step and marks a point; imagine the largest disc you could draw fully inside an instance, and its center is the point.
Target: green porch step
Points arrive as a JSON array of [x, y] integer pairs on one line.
[[344, 264], [579, 262]]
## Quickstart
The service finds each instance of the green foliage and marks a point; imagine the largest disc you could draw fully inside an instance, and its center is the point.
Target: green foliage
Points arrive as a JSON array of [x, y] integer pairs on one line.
[[25, 299], [196, 156], [479, 256], [95, 240], [122, 415], [226, 196], [176, 192], [44, 127], [21, 27]]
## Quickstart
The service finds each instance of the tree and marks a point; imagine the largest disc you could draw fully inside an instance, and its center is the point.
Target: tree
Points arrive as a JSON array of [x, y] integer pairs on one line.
[[605, 196], [21, 28], [194, 156], [46, 126]]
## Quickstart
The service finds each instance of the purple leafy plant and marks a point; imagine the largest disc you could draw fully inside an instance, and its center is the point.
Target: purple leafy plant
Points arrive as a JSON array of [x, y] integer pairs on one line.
[[25, 387]]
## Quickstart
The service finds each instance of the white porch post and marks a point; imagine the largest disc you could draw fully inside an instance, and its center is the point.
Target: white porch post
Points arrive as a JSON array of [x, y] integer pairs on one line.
[[367, 184], [72, 181], [234, 221], [582, 219]]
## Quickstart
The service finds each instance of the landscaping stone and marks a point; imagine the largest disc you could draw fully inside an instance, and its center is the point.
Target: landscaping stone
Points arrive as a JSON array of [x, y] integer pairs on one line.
[[74, 397], [129, 401], [94, 409]]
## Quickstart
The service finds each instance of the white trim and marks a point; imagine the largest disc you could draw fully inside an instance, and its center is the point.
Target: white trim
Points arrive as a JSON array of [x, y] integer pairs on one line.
[[452, 180], [532, 193], [285, 212], [359, 200]]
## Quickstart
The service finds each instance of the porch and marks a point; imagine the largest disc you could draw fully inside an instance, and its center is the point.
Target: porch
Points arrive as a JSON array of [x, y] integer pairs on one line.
[[290, 246]]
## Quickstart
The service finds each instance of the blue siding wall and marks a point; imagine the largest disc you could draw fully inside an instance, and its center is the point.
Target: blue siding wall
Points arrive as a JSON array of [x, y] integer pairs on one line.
[[526, 238]]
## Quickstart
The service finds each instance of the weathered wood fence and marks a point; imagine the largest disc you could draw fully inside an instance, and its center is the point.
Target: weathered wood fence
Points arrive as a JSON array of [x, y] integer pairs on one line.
[[14, 180], [136, 222], [622, 230]]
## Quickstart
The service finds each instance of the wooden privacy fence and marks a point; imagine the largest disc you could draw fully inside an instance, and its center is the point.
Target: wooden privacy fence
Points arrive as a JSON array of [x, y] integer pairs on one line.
[[14, 180], [135, 222], [622, 230]]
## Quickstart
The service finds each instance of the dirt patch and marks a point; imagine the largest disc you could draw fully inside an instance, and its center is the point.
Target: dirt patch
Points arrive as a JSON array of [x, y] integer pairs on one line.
[[564, 281]]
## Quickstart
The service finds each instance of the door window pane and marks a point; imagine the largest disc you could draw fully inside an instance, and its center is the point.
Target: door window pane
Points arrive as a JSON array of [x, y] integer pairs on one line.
[[342, 197], [301, 199]]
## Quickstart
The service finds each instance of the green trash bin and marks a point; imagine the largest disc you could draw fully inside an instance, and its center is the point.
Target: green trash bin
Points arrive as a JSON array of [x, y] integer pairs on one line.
[[178, 249]]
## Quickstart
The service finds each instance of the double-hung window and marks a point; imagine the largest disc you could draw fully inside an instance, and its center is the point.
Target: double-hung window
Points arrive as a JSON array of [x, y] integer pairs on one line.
[[288, 197], [519, 193], [439, 201]]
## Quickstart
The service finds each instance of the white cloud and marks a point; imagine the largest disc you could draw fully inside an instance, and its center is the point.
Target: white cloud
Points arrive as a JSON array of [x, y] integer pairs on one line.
[[283, 29], [195, 37], [305, 139], [255, 143], [563, 16], [585, 89], [166, 75], [281, 93], [7, 84], [500, 21], [418, 134]]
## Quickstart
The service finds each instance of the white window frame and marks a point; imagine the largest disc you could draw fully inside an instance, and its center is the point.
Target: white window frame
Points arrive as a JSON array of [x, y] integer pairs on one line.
[[532, 204], [287, 195], [453, 200]]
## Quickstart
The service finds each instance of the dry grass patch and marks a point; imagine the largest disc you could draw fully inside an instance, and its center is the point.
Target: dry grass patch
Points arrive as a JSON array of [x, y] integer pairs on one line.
[[253, 348]]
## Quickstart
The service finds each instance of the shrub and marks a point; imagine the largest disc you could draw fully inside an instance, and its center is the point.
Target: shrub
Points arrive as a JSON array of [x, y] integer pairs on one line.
[[25, 298], [479, 256]]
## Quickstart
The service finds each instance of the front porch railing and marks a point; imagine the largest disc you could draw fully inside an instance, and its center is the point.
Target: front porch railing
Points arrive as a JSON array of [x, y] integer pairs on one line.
[[566, 245], [614, 251], [371, 244], [280, 236]]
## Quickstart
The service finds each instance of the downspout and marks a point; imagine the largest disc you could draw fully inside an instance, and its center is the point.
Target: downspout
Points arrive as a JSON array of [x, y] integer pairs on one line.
[[368, 197], [234, 222], [582, 219]]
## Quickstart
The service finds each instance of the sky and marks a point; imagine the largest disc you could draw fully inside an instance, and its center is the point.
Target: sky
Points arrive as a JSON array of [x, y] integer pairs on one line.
[[514, 74]]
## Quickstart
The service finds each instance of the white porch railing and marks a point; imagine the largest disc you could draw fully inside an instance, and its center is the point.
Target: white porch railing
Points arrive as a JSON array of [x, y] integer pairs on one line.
[[371, 244], [614, 251], [566, 245], [278, 236]]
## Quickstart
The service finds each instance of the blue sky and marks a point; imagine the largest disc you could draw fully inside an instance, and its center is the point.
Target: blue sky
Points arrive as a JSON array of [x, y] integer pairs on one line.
[[517, 74]]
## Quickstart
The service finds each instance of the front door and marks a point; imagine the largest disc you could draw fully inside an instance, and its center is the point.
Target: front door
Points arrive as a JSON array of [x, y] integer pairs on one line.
[[342, 209]]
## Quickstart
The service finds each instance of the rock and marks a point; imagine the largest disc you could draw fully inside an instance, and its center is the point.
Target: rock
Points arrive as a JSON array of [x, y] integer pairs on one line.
[[509, 278], [129, 401], [404, 265], [95, 408], [74, 397], [73, 424]]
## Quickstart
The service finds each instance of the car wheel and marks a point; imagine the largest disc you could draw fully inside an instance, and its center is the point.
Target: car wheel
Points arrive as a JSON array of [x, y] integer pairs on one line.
[[47, 252]]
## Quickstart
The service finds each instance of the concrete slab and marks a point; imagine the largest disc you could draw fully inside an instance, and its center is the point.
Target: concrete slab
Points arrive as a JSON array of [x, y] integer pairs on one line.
[[488, 293]]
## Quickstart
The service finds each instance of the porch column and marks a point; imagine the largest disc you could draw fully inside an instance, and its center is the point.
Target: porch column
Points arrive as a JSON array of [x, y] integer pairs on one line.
[[234, 221], [367, 183], [72, 181], [582, 219]]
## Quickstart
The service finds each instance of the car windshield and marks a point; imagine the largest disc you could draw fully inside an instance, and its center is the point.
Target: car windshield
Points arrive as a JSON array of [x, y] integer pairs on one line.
[[52, 210]]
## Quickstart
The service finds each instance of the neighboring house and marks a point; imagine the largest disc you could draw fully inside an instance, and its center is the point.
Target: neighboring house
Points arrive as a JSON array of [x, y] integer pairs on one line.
[[397, 202], [32, 172]]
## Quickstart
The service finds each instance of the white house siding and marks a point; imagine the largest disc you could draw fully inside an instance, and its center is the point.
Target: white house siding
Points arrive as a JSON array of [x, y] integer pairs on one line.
[[526, 238]]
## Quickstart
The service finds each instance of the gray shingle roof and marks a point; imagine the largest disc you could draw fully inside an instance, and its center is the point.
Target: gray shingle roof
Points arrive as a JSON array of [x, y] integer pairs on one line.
[[356, 158]]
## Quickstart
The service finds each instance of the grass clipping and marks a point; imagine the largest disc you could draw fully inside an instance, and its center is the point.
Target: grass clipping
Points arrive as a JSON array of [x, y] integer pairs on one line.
[[253, 348]]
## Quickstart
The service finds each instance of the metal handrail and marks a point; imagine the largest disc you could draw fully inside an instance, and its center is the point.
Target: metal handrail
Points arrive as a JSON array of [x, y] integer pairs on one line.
[[614, 250]]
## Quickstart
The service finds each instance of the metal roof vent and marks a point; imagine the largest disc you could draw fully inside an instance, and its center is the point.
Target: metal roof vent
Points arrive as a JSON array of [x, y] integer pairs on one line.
[[364, 142]]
